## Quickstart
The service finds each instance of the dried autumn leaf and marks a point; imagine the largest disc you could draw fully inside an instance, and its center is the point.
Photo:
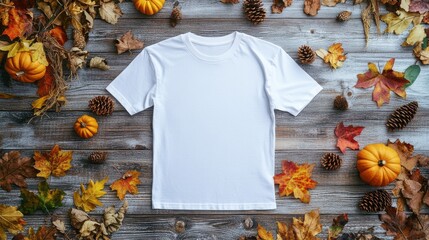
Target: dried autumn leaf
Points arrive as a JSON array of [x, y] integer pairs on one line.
[[388, 80], [11, 220], [4, 11], [128, 42], [20, 23], [346, 136], [112, 220], [284, 232], [394, 222], [98, 62], [296, 179], [334, 56], [366, 21], [309, 228], [338, 224], [59, 34], [88, 198], [405, 151], [43, 233], [46, 199], [311, 7], [420, 6], [230, 1], [128, 183], [399, 22], [416, 35], [109, 11], [421, 54], [45, 85], [59, 225], [332, 3], [56, 162], [263, 234], [77, 59], [14, 170]]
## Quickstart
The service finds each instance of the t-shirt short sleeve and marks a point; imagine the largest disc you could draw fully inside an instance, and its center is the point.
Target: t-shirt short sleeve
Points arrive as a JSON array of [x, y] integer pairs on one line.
[[135, 86], [289, 87]]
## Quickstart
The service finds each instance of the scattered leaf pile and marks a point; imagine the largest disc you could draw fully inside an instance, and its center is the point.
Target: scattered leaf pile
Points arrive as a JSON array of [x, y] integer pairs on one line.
[[295, 179]]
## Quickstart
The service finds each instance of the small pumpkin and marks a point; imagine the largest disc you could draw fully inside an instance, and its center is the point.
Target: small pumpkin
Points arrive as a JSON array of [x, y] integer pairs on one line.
[[86, 126], [149, 7], [378, 164], [21, 68]]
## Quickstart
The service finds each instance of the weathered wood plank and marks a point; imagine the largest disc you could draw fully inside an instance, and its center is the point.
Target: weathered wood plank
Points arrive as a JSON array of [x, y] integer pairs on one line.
[[288, 33], [214, 227], [92, 82], [121, 131], [215, 9]]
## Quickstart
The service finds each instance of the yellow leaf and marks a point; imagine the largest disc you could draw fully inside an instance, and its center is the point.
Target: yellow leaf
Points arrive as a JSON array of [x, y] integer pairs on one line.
[[334, 56], [308, 229], [399, 22], [38, 53], [284, 232], [128, 182], [38, 103], [88, 198], [11, 220], [263, 234], [417, 34], [422, 54], [12, 49], [56, 162]]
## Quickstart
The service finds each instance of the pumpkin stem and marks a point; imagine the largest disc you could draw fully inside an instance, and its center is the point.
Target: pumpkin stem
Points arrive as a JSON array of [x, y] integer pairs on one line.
[[82, 125], [381, 163], [20, 73]]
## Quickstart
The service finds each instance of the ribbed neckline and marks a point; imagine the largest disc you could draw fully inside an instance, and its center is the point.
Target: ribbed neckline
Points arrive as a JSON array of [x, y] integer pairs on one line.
[[232, 38]]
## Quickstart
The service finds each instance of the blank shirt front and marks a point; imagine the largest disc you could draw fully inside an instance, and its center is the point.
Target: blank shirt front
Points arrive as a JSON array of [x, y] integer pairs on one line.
[[213, 117]]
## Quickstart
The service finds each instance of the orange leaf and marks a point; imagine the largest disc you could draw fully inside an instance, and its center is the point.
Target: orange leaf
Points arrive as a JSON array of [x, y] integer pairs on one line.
[[334, 56], [388, 80], [263, 234], [20, 23], [46, 83], [56, 162], [345, 136], [128, 182], [295, 179], [59, 34]]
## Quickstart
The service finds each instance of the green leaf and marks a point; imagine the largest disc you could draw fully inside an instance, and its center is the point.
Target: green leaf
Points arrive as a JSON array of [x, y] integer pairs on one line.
[[425, 43], [47, 199], [411, 74]]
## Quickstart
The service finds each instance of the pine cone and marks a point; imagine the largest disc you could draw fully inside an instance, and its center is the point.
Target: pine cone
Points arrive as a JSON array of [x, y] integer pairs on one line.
[[375, 201], [306, 54], [101, 105], [97, 157], [79, 39], [402, 116], [254, 11], [331, 161], [176, 15], [340, 103], [344, 16]]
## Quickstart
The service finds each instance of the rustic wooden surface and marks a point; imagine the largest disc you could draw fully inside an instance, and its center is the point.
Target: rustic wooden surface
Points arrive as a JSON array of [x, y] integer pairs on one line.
[[305, 138]]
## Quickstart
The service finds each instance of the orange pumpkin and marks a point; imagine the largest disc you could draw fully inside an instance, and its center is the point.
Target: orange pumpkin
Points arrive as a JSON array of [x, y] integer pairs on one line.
[[21, 68], [149, 7], [86, 126], [378, 164]]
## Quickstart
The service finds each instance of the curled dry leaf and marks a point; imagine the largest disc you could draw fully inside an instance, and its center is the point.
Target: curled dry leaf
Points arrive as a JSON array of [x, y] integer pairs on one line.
[[416, 35], [42, 233], [11, 220], [296, 179], [400, 21], [334, 56], [59, 225], [14, 169], [88, 199], [77, 59], [109, 11], [56, 162], [128, 183], [332, 3], [98, 62], [128, 42], [311, 7], [279, 5], [338, 224], [421, 51]]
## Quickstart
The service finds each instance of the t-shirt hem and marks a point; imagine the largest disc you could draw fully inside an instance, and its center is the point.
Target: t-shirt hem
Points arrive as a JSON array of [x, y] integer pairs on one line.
[[214, 206], [124, 102], [312, 93]]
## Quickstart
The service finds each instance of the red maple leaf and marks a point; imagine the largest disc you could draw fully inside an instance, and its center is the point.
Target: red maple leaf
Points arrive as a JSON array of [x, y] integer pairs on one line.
[[20, 23], [345, 136], [388, 80]]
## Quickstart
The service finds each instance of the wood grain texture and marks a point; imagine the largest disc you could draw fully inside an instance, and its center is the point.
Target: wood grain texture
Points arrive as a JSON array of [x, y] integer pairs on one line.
[[128, 140]]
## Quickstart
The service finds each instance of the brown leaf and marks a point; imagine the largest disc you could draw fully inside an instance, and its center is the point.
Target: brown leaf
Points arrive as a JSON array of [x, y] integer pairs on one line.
[[45, 84], [421, 159], [393, 221], [11, 220], [309, 228], [366, 21], [332, 3], [128, 42], [20, 23], [14, 169], [279, 5], [109, 11], [311, 7], [24, 3], [404, 150], [77, 59], [98, 62]]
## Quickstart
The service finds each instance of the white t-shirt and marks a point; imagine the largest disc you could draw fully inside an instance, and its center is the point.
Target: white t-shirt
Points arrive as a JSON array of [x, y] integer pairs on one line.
[[213, 117]]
